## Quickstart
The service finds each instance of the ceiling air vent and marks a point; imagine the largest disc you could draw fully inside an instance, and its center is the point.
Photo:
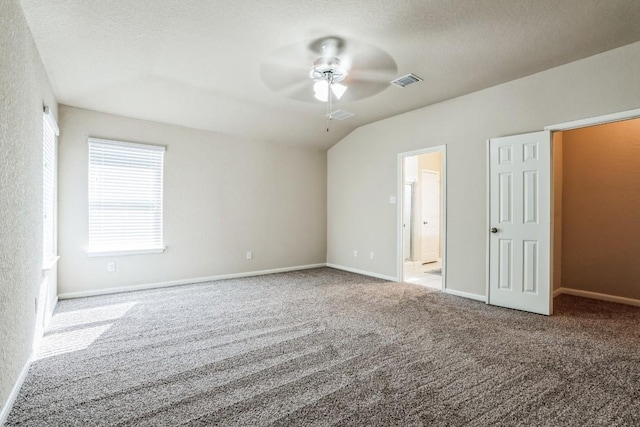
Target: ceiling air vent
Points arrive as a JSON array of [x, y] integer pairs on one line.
[[341, 115], [407, 80]]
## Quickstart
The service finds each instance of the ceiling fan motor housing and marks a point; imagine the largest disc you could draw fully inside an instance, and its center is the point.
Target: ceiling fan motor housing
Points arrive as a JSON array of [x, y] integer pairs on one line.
[[328, 69]]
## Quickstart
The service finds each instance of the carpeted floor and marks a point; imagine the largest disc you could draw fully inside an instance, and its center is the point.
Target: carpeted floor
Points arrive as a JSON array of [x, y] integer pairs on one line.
[[325, 347]]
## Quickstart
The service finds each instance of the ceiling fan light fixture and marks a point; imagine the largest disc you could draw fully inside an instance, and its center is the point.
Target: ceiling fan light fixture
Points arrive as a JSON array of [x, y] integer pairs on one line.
[[322, 94], [338, 90], [327, 72], [320, 90]]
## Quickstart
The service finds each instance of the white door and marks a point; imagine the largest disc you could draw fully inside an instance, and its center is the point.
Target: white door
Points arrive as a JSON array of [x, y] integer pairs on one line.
[[520, 222], [430, 226], [406, 220]]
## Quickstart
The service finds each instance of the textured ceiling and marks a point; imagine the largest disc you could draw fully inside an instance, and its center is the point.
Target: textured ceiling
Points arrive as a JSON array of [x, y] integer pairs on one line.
[[197, 63]]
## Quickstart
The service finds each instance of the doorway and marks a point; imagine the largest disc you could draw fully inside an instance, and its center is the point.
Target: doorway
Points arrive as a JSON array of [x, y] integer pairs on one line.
[[551, 262], [596, 204], [422, 217]]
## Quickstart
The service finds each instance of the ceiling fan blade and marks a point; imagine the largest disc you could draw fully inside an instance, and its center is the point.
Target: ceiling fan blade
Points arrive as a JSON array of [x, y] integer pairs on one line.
[[359, 76], [371, 72], [302, 91], [356, 92], [288, 81], [286, 71], [278, 76], [370, 59]]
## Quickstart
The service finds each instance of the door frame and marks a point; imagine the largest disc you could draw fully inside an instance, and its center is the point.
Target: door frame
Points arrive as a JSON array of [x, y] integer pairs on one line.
[[574, 124], [404, 228], [400, 203]]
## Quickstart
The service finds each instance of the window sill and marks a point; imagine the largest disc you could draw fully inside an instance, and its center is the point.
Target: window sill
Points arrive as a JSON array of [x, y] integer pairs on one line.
[[126, 252], [48, 265]]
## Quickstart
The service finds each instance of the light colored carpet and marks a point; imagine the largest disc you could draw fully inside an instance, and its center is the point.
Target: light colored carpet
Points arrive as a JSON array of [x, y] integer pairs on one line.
[[325, 347]]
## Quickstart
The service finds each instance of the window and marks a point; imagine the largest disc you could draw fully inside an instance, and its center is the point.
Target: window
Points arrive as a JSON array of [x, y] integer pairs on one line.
[[49, 134], [125, 197]]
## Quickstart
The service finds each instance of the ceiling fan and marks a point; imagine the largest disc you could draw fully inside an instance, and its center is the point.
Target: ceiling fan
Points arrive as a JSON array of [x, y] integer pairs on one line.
[[328, 69]]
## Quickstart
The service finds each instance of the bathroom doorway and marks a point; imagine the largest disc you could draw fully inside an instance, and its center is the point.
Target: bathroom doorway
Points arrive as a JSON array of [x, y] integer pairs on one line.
[[422, 217]]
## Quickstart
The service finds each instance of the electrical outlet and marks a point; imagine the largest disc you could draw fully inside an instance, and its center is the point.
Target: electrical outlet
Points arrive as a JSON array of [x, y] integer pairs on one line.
[[372, 255], [249, 255], [355, 253], [111, 266]]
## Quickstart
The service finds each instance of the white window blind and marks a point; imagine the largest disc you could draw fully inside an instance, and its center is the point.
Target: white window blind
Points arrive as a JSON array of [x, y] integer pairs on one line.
[[125, 197], [49, 134]]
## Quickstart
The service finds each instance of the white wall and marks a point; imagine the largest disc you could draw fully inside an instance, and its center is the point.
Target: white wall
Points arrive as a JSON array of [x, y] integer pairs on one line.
[[223, 196], [362, 167], [24, 88]]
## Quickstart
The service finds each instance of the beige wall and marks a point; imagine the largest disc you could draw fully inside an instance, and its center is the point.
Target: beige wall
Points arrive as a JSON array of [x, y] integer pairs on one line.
[[601, 209], [362, 167], [223, 196], [24, 88]]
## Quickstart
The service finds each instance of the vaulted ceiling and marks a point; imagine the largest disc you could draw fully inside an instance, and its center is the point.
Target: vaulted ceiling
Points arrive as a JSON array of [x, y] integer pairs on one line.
[[199, 63]]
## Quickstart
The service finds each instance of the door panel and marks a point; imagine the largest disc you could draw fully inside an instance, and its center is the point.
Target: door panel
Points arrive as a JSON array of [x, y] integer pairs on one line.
[[530, 195], [520, 217], [530, 267], [430, 216], [506, 197], [505, 264]]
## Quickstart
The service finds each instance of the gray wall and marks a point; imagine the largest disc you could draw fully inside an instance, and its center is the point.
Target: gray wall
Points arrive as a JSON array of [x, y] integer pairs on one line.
[[223, 196], [362, 168], [24, 89]]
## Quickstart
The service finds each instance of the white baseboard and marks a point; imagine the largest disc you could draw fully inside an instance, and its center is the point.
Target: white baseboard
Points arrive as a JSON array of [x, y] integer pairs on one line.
[[476, 297], [598, 296], [108, 291], [6, 409], [364, 273]]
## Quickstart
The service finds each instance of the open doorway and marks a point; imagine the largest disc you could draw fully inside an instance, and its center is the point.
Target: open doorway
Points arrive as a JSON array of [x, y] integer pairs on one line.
[[422, 217], [596, 205]]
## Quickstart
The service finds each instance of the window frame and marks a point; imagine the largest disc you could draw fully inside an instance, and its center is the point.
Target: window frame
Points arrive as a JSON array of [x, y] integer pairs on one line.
[[50, 133], [94, 248]]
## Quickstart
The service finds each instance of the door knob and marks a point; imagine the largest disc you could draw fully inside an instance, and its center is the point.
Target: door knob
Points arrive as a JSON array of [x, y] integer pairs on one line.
[[494, 230], [425, 222]]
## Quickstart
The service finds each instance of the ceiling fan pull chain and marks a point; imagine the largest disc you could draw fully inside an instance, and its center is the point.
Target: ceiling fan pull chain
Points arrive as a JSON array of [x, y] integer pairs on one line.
[[329, 83], [328, 105]]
